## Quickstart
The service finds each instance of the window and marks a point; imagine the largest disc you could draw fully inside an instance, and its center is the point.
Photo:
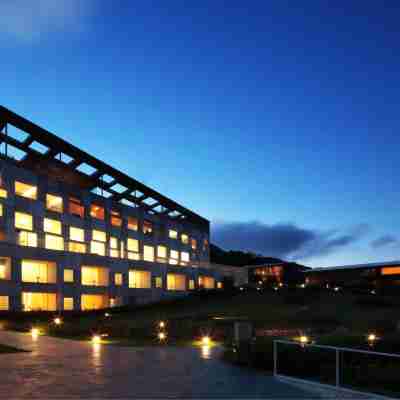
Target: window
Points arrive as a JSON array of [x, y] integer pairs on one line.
[[114, 247], [4, 303], [94, 276], [52, 226], [139, 279], [173, 234], [3, 193], [173, 257], [148, 253], [1, 210], [97, 211], [98, 248], [122, 254], [191, 284], [205, 244], [194, 244], [26, 238], [39, 301], [133, 249], [76, 247], [23, 221], [390, 271], [94, 301], [219, 285], [53, 242], [207, 282], [147, 227], [184, 257], [68, 303], [76, 234], [176, 282], [54, 203], [158, 282], [185, 238], [118, 279], [161, 253], [2, 235], [68, 275], [5, 268], [99, 236], [133, 223], [38, 271], [76, 208], [25, 190], [116, 219]]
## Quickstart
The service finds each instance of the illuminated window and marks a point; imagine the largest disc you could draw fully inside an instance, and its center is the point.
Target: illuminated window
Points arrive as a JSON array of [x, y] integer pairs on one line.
[[52, 226], [97, 212], [176, 282], [68, 303], [98, 248], [26, 238], [1, 210], [94, 276], [158, 282], [68, 275], [94, 301], [133, 223], [53, 242], [39, 301], [185, 257], [173, 234], [205, 244], [54, 203], [76, 234], [147, 227], [75, 207], [25, 190], [122, 254], [116, 219], [114, 247], [185, 238], [38, 271], [118, 279], [191, 284], [5, 268], [99, 236], [2, 235], [76, 247], [116, 301], [139, 279], [161, 253], [173, 257], [148, 253], [194, 244], [391, 271], [132, 245], [23, 221], [3, 193], [207, 282], [4, 303], [219, 285]]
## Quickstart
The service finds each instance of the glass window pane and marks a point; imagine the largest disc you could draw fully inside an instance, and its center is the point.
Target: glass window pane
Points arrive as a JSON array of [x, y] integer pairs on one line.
[[25, 190]]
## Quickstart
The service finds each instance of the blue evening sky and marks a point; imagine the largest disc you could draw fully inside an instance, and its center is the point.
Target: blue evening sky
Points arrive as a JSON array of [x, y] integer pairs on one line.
[[259, 113]]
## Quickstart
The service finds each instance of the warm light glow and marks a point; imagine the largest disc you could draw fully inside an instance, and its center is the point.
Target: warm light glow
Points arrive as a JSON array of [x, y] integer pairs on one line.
[[372, 337], [35, 333], [303, 339], [139, 279], [161, 324], [57, 321], [96, 339], [107, 314], [25, 190], [205, 340], [303, 285], [161, 336]]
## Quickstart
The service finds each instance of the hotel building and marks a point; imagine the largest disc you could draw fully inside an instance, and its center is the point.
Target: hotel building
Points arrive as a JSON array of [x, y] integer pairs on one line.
[[78, 234]]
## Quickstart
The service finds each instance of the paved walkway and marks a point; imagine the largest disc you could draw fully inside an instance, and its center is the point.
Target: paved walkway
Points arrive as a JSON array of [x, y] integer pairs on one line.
[[58, 368]]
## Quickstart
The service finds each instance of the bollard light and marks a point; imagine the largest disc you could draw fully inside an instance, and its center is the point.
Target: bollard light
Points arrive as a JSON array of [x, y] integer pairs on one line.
[[371, 338], [96, 339], [303, 339], [161, 336], [161, 324], [205, 340], [57, 321]]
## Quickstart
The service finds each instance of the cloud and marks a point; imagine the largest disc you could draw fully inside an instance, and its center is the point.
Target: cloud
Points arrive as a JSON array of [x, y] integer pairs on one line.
[[384, 240], [28, 19], [285, 240]]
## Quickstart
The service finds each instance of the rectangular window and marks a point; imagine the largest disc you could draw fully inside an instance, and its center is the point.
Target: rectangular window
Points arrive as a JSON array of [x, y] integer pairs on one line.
[[76, 234], [158, 282], [38, 271], [5, 268], [53, 242], [23, 221], [191, 284], [194, 244], [185, 238], [173, 257], [114, 247], [207, 282], [68, 303], [98, 248], [97, 212], [205, 244], [133, 223], [52, 226], [173, 234], [1, 210], [94, 301], [94, 276], [68, 275], [118, 279], [139, 279], [99, 236], [75, 207], [147, 227], [76, 247], [219, 285], [390, 271], [176, 282], [122, 254], [4, 303], [116, 219], [54, 203], [26, 238], [133, 256], [148, 253], [133, 245], [185, 257], [3, 193], [39, 301], [161, 253], [25, 190]]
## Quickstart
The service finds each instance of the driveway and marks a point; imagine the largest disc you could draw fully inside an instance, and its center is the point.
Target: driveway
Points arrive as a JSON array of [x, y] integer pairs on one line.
[[58, 368]]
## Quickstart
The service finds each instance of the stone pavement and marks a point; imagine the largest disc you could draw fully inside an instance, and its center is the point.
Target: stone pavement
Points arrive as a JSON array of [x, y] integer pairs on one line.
[[58, 368]]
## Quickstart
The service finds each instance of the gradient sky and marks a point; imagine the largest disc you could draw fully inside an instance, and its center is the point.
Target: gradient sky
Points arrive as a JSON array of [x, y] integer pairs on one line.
[[276, 120]]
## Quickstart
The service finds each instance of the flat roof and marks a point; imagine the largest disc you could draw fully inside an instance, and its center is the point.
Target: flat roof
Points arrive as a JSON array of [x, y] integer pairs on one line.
[[355, 266], [44, 151]]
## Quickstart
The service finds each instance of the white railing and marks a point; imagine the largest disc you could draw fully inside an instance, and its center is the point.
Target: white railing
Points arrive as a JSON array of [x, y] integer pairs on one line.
[[338, 364]]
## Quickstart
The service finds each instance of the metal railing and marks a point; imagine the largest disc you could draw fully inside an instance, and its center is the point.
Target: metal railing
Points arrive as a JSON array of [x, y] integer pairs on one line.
[[338, 364]]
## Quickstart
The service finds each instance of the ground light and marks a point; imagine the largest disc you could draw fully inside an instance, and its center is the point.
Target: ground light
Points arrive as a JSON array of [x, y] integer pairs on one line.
[[161, 336], [161, 324], [35, 333], [205, 340], [96, 339], [371, 338], [57, 321]]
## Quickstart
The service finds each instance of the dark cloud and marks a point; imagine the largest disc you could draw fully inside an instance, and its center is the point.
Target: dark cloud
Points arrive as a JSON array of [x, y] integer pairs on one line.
[[287, 240], [384, 241]]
